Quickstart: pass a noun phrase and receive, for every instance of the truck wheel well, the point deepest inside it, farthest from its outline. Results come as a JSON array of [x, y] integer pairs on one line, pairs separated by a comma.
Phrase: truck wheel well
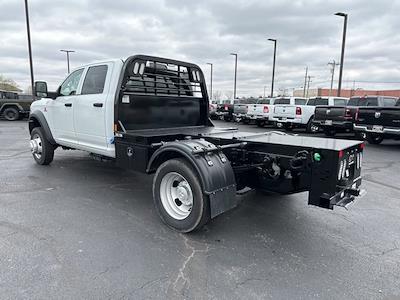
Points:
[[8, 106], [33, 122], [163, 157]]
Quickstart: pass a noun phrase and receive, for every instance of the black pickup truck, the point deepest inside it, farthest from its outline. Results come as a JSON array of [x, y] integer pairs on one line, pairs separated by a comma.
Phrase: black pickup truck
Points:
[[336, 119], [225, 110], [376, 123], [157, 111]]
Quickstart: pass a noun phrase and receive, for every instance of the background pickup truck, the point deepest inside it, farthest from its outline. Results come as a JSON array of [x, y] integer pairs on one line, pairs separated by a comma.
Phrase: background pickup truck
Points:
[[288, 112], [260, 112], [240, 107], [376, 123], [14, 106], [225, 110], [334, 119], [151, 115]]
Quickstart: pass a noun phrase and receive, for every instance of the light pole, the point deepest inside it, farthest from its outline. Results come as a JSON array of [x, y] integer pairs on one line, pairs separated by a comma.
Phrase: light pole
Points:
[[28, 30], [264, 90], [68, 52], [211, 80], [234, 84], [340, 14], [273, 67]]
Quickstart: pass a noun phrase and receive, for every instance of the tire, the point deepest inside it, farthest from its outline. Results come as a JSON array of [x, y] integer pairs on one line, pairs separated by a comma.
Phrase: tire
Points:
[[46, 155], [175, 213], [260, 123], [375, 139], [288, 127], [330, 132], [245, 121], [311, 127], [11, 114]]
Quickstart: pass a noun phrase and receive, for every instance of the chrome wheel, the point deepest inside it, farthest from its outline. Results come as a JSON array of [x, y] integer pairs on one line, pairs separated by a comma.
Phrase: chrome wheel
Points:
[[176, 195], [36, 146]]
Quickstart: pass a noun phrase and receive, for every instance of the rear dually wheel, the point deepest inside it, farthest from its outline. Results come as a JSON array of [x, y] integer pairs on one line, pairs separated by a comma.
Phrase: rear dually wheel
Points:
[[178, 196]]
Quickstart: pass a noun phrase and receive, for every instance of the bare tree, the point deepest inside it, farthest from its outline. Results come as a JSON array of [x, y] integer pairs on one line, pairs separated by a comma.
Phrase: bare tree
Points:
[[217, 95], [229, 95], [8, 84]]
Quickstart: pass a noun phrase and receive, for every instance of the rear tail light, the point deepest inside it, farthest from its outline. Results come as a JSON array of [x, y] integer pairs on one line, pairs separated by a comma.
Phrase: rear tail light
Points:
[[356, 114], [298, 110], [266, 109], [226, 107]]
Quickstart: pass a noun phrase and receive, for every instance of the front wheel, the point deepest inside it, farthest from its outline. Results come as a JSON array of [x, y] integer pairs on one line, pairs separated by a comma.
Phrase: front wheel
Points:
[[260, 123], [42, 150], [374, 138], [178, 196]]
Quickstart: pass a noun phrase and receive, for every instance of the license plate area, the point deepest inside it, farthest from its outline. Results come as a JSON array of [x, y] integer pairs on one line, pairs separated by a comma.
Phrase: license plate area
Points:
[[328, 122], [377, 128]]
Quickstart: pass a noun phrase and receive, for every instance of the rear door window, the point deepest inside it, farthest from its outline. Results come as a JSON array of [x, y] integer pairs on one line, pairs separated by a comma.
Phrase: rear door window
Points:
[[300, 101], [339, 102], [94, 80]]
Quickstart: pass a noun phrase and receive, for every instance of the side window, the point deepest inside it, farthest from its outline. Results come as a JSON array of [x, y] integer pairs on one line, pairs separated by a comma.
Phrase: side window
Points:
[[389, 102], [70, 85], [94, 80]]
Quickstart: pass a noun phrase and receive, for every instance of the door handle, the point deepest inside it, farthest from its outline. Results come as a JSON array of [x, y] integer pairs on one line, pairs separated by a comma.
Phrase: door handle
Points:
[[68, 104], [98, 104]]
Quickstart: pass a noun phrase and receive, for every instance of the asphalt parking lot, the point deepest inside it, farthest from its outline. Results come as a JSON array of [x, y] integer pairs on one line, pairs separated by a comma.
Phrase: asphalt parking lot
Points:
[[80, 228]]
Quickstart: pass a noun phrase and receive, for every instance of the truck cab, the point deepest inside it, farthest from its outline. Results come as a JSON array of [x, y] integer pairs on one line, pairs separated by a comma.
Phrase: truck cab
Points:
[[151, 115]]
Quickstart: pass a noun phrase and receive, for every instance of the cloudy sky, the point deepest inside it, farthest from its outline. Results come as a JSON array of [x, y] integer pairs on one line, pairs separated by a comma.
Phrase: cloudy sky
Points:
[[204, 31]]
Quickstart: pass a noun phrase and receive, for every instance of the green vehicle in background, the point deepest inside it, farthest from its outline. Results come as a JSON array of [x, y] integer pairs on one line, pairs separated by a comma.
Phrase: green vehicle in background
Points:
[[14, 106]]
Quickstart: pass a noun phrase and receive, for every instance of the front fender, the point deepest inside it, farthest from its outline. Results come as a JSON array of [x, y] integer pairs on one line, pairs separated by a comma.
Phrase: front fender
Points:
[[214, 169], [37, 118]]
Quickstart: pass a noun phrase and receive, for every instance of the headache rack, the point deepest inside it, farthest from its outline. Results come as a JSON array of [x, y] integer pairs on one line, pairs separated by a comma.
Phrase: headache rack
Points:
[[146, 77], [160, 93]]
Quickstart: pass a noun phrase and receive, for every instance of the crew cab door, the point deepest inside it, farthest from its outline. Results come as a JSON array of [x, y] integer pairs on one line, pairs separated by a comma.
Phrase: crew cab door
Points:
[[90, 108], [61, 109]]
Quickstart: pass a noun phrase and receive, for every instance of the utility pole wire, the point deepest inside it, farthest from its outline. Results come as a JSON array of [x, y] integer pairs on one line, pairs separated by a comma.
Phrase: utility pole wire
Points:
[[308, 83], [333, 65]]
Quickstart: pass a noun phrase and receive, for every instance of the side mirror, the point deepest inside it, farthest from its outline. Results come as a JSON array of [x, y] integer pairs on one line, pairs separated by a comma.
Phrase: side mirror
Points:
[[41, 89]]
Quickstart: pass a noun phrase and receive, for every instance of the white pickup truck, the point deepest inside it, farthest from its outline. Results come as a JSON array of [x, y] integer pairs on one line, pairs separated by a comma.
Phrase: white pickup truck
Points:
[[260, 112], [302, 114], [151, 115]]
